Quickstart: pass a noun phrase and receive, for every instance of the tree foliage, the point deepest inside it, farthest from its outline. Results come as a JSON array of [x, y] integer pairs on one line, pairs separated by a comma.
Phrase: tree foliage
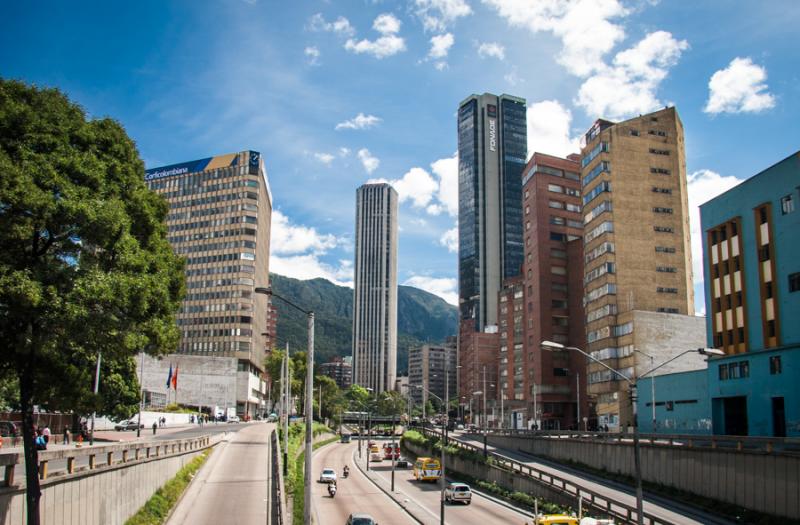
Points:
[[85, 266]]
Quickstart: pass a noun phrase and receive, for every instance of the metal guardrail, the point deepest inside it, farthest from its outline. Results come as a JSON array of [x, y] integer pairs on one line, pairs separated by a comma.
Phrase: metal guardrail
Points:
[[600, 503], [769, 445], [101, 457], [277, 501]]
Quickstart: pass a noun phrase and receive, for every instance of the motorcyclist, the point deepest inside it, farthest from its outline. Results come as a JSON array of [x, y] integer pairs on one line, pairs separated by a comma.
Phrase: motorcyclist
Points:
[[346, 471], [332, 489]]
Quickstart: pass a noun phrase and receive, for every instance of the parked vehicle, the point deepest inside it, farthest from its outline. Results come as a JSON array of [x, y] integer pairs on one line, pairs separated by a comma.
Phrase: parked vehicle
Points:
[[427, 469], [128, 424], [458, 492], [360, 518], [328, 475]]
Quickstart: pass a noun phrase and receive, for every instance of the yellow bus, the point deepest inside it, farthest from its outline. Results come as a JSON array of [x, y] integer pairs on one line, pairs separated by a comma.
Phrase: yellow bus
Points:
[[427, 469]]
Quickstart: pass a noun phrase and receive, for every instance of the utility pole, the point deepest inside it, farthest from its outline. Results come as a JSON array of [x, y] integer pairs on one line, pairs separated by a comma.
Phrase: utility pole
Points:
[[287, 392], [535, 407], [485, 422], [578, 399], [309, 419], [320, 403], [141, 396], [96, 387]]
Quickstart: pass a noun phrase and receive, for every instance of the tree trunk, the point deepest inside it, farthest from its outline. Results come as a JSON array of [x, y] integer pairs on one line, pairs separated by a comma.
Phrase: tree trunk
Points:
[[32, 489]]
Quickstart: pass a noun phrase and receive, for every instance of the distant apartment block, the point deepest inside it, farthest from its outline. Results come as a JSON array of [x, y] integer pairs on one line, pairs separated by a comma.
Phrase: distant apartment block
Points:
[[340, 370], [428, 365], [478, 360]]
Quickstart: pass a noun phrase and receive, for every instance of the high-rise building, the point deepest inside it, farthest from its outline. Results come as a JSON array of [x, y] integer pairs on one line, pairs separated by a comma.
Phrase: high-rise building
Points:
[[427, 367], [375, 294], [340, 370], [552, 292], [636, 245], [477, 372], [492, 148], [219, 220]]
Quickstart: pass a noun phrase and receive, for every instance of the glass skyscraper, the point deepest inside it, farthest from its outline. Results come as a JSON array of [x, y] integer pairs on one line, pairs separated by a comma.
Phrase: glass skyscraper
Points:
[[492, 147]]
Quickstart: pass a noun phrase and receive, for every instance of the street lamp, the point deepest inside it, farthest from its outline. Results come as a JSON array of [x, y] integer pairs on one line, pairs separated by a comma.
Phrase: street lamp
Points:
[[441, 502], [309, 397], [652, 387], [550, 345]]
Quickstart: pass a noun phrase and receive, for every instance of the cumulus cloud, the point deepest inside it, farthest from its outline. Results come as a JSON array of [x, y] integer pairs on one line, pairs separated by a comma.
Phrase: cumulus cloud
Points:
[[739, 88], [309, 266], [549, 129], [440, 45], [312, 55], [388, 44], [416, 186], [341, 26], [325, 158], [437, 15], [492, 49], [369, 162], [360, 121], [703, 185], [287, 238], [344, 152], [445, 288], [449, 240], [629, 85], [447, 195]]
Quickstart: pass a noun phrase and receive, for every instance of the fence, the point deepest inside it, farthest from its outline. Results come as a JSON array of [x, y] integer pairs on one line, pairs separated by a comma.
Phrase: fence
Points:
[[277, 490]]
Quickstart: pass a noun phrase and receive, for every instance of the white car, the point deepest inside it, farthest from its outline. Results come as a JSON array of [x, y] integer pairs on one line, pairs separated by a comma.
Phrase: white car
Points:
[[458, 492], [328, 476], [234, 419]]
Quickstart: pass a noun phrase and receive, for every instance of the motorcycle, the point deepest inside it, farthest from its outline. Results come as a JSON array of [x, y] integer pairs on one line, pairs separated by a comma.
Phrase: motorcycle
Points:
[[332, 490], [346, 472]]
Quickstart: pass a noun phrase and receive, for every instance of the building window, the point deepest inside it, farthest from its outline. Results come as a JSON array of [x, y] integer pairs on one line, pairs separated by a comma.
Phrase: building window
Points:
[[775, 365], [787, 204], [663, 229], [667, 310], [665, 249], [723, 372], [763, 253], [771, 328], [656, 189], [555, 220], [558, 270], [659, 171], [573, 207], [634, 132], [666, 269], [555, 188], [659, 209], [661, 289], [794, 282], [655, 151], [561, 254], [556, 204]]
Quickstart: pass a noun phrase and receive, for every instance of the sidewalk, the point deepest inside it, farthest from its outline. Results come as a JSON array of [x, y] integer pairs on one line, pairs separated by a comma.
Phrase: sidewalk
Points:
[[103, 437]]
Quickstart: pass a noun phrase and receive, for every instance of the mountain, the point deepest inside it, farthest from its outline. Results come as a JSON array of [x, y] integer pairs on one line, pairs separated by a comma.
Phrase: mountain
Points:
[[421, 317]]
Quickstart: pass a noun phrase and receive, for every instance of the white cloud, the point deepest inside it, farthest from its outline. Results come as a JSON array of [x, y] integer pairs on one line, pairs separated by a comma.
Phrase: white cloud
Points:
[[492, 49], [585, 27], [739, 88], [344, 152], [309, 266], [436, 15], [440, 45], [512, 78], [341, 26], [447, 195], [360, 121], [416, 186], [443, 287], [449, 240], [548, 129], [325, 158], [369, 162], [386, 45], [287, 238], [628, 86], [703, 185], [312, 54]]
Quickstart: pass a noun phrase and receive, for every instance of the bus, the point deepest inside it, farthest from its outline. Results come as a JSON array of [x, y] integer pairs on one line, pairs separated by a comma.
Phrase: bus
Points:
[[427, 469]]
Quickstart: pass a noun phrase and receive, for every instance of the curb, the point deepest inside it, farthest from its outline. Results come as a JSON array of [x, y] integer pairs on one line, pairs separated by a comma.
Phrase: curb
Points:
[[388, 493]]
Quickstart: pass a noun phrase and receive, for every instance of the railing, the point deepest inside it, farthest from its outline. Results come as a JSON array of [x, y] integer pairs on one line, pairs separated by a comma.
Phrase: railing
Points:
[[600, 503], [75, 460], [278, 504], [768, 445]]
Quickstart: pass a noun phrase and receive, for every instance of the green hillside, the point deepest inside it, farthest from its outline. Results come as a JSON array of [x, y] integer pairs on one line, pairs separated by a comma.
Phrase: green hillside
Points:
[[421, 317]]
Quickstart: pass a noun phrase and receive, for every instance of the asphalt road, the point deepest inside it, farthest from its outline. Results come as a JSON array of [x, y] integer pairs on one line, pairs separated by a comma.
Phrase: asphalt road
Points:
[[354, 494], [232, 488]]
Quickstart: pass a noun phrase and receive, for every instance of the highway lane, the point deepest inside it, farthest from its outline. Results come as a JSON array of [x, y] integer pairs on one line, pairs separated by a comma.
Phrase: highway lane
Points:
[[482, 511], [354, 494]]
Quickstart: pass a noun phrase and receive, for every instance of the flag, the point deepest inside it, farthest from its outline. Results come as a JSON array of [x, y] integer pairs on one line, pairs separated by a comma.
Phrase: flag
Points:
[[169, 377], [175, 379]]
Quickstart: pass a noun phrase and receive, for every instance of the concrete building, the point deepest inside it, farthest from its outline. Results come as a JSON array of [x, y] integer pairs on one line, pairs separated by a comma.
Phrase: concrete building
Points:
[[553, 293], [492, 148], [340, 370], [219, 220], [636, 244], [426, 369], [375, 294], [477, 375]]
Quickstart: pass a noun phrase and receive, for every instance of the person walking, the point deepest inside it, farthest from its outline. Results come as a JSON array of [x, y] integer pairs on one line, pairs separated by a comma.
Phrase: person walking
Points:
[[155, 426], [46, 433], [66, 435]]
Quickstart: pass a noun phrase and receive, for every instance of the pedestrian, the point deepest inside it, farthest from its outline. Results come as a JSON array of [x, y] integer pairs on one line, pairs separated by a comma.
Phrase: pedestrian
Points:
[[66, 435], [46, 433], [39, 442], [155, 426]]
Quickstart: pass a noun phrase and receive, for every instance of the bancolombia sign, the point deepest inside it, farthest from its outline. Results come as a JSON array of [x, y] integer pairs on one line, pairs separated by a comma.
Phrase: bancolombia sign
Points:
[[492, 135]]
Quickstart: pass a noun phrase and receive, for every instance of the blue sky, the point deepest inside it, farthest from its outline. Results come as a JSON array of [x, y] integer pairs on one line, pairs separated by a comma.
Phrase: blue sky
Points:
[[338, 93]]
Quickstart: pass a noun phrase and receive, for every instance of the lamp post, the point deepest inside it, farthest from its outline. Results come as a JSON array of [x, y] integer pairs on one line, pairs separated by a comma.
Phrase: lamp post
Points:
[[441, 502], [141, 396], [637, 461], [309, 398], [652, 387]]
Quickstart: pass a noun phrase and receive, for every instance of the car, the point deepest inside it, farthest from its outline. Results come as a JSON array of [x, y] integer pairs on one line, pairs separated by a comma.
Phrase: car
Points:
[[234, 419], [8, 429], [128, 424], [360, 518], [459, 427], [402, 463], [345, 438], [557, 519], [458, 492], [328, 475]]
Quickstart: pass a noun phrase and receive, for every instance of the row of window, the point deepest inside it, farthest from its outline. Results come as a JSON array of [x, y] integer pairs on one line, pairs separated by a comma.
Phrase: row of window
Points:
[[606, 247], [662, 289], [607, 375], [213, 246], [602, 167], [601, 147], [601, 291], [561, 221], [596, 211], [215, 234], [571, 175], [555, 188], [220, 294], [736, 370], [211, 199], [218, 319], [604, 186], [560, 205], [218, 332], [600, 229], [178, 216], [664, 229], [249, 219], [194, 179], [655, 151], [246, 268], [215, 307], [612, 352], [599, 313], [665, 249], [195, 190], [214, 346], [234, 281], [658, 209], [221, 257], [657, 189]]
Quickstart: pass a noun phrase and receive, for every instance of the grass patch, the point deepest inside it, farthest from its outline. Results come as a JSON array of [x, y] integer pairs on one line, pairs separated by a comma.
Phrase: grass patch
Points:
[[158, 507]]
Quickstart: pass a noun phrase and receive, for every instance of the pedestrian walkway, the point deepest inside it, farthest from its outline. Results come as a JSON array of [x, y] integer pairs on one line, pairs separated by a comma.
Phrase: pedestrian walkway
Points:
[[233, 486]]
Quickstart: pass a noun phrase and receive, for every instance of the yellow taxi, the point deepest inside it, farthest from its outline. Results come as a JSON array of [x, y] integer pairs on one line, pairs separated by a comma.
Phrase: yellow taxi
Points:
[[556, 519], [427, 469]]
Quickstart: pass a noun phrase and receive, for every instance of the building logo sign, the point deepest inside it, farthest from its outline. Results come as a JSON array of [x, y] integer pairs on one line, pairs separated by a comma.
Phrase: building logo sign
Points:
[[165, 172], [491, 110], [492, 135]]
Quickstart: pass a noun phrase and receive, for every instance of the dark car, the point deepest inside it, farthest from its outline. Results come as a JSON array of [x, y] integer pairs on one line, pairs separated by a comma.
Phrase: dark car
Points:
[[360, 518], [128, 424], [8, 429], [402, 463]]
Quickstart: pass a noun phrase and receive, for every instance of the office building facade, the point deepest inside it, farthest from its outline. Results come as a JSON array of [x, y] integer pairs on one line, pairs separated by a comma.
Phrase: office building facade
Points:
[[375, 283], [340, 369], [492, 148], [219, 220], [427, 367], [636, 245]]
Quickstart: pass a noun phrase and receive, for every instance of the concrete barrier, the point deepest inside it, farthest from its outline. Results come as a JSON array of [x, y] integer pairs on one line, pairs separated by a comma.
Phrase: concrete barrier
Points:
[[105, 492]]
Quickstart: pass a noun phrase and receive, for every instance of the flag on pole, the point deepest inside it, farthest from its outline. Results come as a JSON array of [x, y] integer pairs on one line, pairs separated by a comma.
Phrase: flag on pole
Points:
[[175, 379], [169, 377]]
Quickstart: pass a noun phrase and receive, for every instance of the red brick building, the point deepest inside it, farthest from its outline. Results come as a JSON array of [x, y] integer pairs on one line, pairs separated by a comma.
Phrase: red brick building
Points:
[[478, 367]]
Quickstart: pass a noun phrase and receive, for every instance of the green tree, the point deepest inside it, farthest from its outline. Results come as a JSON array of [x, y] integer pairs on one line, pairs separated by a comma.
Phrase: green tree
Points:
[[358, 395], [85, 266], [391, 403]]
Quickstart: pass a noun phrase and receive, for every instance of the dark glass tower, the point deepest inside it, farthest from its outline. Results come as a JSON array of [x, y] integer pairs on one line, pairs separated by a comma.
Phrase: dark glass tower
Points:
[[492, 147]]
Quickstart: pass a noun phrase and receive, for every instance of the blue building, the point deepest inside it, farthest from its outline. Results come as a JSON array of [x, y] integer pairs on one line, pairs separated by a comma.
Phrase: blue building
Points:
[[751, 264]]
